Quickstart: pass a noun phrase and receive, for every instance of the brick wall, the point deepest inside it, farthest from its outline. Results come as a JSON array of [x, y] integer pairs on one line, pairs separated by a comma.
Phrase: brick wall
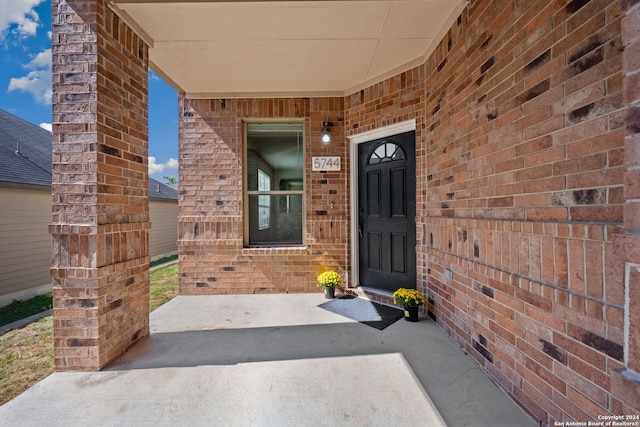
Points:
[[521, 198], [626, 382], [524, 170], [211, 234], [100, 185], [395, 100], [526, 217]]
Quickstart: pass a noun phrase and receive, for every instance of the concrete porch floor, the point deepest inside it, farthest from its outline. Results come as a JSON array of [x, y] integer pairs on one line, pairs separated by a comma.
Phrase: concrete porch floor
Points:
[[273, 360]]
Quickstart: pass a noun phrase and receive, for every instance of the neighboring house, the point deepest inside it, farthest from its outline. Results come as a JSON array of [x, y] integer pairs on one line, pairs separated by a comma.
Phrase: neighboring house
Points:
[[489, 156], [163, 215], [25, 211]]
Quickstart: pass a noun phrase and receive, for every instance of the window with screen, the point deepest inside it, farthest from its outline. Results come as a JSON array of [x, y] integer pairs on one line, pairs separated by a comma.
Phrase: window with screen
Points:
[[274, 184]]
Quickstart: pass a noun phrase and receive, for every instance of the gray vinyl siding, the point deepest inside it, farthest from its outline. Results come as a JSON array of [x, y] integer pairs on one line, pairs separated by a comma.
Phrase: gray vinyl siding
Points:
[[163, 236], [25, 243]]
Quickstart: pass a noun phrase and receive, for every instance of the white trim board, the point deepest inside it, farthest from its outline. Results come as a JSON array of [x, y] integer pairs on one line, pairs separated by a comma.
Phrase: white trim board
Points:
[[354, 140], [383, 132]]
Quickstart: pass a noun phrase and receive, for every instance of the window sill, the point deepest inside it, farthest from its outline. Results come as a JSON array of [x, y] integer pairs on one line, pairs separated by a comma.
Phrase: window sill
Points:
[[280, 250]]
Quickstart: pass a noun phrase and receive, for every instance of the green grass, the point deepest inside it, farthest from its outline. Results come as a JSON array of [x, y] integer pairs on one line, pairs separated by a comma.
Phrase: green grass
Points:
[[26, 354], [26, 357], [18, 310], [163, 286], [163, 260]]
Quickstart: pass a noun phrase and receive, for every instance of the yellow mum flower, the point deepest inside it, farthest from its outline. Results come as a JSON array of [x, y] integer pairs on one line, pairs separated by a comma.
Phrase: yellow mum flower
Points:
[[330, 279], [409, 297]]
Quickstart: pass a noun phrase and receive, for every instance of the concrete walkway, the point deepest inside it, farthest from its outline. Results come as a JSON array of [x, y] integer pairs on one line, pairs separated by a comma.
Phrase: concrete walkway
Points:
[[273, 360]]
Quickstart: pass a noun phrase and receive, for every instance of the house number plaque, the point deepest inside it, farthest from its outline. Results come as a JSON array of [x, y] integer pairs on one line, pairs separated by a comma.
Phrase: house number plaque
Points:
[[325, 163]]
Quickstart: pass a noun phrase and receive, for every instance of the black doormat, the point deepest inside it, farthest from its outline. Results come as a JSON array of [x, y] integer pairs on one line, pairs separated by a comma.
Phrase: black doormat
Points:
[[364, 311]]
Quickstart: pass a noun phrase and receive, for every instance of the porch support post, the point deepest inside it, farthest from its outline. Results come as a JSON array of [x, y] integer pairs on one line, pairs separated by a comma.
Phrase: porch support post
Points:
[[625, 383], [100, 262]]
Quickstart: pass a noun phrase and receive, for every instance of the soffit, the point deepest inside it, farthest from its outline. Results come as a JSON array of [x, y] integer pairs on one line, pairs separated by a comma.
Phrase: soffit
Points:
[[286, 48]]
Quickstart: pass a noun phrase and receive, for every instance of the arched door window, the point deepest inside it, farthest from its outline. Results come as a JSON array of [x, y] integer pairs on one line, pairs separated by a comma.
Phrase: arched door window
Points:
[[386, 152]]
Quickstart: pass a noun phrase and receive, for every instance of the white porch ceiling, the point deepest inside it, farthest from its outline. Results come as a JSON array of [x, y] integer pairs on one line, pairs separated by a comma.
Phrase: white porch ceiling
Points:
[[230, 49]]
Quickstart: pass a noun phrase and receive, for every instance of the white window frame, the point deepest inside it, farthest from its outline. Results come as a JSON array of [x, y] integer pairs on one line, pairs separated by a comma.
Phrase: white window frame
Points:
[[302, 192], [264, 202]]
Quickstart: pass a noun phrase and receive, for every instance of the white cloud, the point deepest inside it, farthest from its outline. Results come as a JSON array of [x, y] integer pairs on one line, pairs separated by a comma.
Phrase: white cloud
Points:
[[38, 81], [41, 60], [46, 126], [19, 18], [160, 167]]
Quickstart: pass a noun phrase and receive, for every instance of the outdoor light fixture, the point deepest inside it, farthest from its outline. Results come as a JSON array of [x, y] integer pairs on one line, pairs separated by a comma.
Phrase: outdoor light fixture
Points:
[[326, 134]]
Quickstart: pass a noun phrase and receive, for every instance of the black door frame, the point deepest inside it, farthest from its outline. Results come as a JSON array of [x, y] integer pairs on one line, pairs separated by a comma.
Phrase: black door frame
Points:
[[354, 141]]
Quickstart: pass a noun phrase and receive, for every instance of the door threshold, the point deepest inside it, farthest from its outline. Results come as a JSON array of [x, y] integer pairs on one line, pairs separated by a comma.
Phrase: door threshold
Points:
[[374, 291], [376, 295]]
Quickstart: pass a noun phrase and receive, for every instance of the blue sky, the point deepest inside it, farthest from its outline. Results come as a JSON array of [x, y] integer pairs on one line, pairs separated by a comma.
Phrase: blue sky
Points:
[[25, 81]]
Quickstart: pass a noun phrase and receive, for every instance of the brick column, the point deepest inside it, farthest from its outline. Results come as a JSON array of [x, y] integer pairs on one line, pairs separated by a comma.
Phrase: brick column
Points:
[[99, 185], [626, 382]]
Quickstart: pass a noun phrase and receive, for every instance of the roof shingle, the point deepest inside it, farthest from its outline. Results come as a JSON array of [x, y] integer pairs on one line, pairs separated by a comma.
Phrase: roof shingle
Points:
[[25, 157], [25, 152]]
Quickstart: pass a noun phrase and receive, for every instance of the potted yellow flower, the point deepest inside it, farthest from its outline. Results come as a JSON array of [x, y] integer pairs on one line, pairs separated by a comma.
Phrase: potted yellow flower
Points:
[[411, 299], [329, 280]]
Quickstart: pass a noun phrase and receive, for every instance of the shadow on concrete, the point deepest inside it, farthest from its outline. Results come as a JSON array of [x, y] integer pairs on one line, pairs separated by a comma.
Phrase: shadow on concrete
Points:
[[273, 360], [234, 346]]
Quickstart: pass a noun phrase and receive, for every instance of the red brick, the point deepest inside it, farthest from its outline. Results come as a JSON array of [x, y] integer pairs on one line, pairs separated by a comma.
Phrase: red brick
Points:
[[580, 98], [580, 164], [632, 151], [492, 147], [571, 410], [501, 201], [596, 144], [594, 269], [631, 88], [632, 276], [579, 351], [597, 72], [612, 214], [613, 176], [628, 390], [545, 318], [581, 131], [573, 316], [632, 184], [577, 266], [632, 215], [544, 128], [546, 156], [95, 340], [545, 185], [536, 404], [537, 200], [536, 115], [546, 375], [557, 214], [302, 265], [509, 165], [533, 349], [631, 61]]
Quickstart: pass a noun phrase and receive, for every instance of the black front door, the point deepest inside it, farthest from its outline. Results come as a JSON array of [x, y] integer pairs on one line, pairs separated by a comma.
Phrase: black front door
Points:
[[386, 211]]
